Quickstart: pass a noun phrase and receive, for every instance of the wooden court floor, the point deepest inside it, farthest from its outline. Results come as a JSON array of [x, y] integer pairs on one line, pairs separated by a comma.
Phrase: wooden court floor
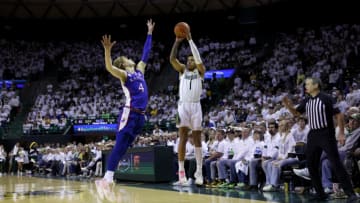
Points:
[[31, 189], [21, 189]]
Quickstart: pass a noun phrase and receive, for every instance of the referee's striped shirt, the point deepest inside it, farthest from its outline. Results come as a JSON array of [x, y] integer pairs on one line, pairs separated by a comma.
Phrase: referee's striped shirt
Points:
[[319, 110]]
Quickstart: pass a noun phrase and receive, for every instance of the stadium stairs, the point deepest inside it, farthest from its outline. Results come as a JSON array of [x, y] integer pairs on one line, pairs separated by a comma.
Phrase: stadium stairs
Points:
[[27, 97]]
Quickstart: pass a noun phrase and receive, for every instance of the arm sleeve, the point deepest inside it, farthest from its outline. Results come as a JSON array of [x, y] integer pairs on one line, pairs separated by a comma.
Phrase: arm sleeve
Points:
[[147, 48], [195, 52]]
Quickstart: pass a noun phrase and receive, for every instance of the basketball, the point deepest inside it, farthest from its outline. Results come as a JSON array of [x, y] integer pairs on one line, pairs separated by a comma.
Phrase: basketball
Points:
[[181, 29]]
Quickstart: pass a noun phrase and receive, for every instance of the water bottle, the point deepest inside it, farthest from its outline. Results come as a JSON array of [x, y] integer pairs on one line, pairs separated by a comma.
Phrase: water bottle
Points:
[[231, 153], [286, 187]]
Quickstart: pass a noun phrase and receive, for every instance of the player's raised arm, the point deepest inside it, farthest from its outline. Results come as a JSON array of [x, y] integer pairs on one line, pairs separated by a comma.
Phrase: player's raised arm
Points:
[[116, 72], [147, 47], [179, 67], [195, 52]]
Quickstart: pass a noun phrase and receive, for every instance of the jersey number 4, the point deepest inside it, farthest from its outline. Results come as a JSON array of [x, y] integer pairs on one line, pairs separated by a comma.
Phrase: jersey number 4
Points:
[[141, 88]]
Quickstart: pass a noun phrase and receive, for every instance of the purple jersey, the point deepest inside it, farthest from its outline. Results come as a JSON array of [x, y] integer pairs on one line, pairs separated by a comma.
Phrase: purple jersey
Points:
[[136, 91]]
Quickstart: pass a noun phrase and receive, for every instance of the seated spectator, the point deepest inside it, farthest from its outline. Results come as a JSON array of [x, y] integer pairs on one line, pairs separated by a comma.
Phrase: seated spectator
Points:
[[286, 146], [217, 152], [157, 131], [3, 156]]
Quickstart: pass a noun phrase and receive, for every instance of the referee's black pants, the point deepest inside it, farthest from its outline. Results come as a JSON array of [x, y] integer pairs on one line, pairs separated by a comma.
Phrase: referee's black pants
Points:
[[319, 140]]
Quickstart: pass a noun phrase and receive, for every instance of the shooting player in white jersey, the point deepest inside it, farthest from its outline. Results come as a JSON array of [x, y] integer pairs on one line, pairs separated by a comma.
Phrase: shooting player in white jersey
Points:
[[191, 77]]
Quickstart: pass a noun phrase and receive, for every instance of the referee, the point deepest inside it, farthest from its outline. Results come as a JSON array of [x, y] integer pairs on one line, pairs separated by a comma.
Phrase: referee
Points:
[[320, 109]]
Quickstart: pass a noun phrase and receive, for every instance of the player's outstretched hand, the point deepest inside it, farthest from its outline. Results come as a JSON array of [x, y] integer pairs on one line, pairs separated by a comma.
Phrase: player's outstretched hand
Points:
[[106, 42], [150, 24]]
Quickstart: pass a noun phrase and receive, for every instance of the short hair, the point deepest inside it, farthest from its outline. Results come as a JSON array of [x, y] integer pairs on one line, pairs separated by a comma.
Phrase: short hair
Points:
[[119, 61], [221, 131], [276, 125], [315, 81], [302, 118]]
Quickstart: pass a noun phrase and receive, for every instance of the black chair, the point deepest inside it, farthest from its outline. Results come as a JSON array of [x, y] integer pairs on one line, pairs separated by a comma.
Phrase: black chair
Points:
[[287, 174]]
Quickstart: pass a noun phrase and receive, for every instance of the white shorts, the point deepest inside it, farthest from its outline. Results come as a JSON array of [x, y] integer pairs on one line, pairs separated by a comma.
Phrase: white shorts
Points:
[[190, 115]]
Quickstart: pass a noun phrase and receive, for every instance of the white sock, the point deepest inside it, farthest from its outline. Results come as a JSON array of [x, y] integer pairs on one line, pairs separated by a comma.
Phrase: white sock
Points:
[[109, 176], [199, 159], [181, 166]]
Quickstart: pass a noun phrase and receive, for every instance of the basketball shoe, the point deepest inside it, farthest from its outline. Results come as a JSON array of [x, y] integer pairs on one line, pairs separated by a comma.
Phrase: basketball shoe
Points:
[[105, 189], [182, 180], [199, 180]]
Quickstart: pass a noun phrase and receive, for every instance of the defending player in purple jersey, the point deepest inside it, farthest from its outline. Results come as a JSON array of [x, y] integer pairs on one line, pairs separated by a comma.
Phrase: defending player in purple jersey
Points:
[[132, 115]]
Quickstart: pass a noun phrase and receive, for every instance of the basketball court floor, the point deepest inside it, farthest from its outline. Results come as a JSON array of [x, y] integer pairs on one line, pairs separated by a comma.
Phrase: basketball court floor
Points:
[[34, 189]]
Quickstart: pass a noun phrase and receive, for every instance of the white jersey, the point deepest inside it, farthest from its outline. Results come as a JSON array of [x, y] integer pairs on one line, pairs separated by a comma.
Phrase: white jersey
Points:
[[190, 86]]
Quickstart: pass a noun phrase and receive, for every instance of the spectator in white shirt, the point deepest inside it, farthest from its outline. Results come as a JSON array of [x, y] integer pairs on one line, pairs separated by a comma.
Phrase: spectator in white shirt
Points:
[[2, 159], [229, 118], [215, 155], [157, 131], [286, 146]]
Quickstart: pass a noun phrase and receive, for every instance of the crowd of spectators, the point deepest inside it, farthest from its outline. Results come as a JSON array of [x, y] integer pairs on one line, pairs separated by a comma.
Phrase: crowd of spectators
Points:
[[324, 55], [71, 160], [222, 54], [238, 147], [9, 104], [89, 55], [322, 52]]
